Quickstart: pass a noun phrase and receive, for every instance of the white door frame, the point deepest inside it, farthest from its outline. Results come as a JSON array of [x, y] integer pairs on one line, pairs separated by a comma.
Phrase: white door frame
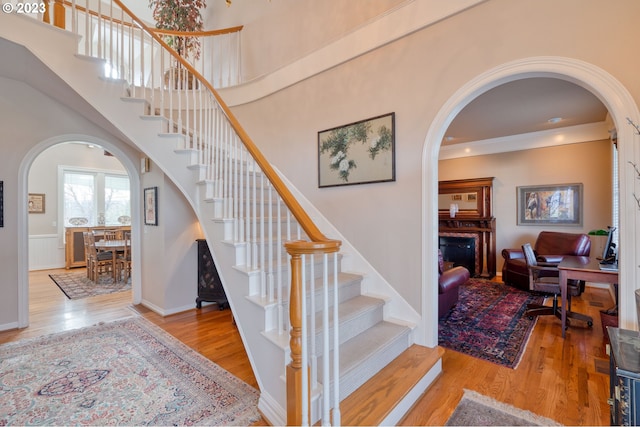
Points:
[[620, 105], [23, 221]]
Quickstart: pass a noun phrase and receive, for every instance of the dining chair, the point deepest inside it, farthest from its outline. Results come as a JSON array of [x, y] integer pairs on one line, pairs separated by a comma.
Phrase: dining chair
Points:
[[544, 278], [124, 258], [88, 254], [100, 261], [110, 235]]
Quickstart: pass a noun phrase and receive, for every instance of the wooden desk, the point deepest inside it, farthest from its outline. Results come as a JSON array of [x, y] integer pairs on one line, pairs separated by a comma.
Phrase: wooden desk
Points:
[[114, 246], [581, 268]]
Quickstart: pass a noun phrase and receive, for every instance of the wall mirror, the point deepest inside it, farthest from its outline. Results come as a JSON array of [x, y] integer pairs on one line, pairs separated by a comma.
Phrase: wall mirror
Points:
[[471, 197]]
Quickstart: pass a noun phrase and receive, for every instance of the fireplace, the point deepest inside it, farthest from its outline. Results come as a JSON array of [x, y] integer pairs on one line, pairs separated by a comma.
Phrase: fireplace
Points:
[[461, 250]]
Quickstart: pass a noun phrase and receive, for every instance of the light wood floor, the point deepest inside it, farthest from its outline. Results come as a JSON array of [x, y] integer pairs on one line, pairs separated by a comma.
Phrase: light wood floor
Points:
[[563, 379]]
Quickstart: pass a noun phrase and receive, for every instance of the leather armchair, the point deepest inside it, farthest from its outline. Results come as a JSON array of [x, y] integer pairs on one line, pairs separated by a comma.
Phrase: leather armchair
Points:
[[449, 282], [550, 247]]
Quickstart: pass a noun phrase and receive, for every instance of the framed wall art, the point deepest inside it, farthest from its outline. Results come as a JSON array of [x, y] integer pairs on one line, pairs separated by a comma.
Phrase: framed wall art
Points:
[[151, 206], [357, 153], [559, 204], [1, 203], [36, 203]]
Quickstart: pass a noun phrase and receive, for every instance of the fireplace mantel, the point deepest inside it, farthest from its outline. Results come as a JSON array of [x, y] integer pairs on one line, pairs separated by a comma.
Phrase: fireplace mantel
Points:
[[474, 216]]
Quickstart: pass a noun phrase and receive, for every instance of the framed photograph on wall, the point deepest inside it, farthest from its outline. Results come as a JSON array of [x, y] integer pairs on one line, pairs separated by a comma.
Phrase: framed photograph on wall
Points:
[[357, 153], [151, 206], [559, 204], [36, 203], [1, 203]]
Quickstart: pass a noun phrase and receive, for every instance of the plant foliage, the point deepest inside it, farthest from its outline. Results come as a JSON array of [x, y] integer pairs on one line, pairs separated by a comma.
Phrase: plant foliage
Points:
[[180, 15]]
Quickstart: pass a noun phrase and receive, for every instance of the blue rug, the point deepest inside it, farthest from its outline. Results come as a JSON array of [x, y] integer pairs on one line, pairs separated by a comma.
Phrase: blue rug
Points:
[[488, 322]]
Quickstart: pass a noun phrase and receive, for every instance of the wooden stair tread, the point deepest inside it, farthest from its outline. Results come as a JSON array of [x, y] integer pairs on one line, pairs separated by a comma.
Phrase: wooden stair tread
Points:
[[374, 400]]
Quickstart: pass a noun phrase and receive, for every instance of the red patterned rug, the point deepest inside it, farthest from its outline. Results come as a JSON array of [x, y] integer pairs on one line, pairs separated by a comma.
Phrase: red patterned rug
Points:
[[128, 372], [488, 322]]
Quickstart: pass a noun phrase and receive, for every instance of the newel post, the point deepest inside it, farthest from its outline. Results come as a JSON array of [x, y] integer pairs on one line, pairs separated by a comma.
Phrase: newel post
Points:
[[294, 369], [297, 408]]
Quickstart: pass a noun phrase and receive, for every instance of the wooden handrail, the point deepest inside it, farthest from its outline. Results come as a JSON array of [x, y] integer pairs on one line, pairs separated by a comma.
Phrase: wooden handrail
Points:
[[290, 201], [157, 30], [198, 33]]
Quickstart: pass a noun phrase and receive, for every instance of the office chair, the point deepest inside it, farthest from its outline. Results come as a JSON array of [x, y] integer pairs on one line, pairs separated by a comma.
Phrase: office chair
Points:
[[544, 278]]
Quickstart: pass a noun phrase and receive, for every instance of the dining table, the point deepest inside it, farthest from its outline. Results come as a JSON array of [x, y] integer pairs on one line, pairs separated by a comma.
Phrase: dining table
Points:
[[114, 246]]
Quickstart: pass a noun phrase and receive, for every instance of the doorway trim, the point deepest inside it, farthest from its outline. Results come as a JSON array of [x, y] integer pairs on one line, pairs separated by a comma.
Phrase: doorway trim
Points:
[[23, 222], [620, 105]]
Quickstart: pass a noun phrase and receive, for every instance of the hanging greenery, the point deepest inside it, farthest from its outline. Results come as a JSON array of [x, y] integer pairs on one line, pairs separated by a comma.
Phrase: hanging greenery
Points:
[[180, 15]]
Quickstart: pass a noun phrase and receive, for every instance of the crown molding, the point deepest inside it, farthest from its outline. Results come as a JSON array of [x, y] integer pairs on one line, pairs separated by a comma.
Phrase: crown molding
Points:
[[528, 141]]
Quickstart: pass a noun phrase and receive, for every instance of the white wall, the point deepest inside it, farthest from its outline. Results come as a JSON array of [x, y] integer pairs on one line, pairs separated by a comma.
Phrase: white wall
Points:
[[587, 163], [295, 27], [169, 250], [414, 77]]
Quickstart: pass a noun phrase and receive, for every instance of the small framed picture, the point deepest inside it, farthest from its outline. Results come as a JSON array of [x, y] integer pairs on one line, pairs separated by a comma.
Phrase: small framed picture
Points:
[[36, 203], [1, 203], [151, 206]]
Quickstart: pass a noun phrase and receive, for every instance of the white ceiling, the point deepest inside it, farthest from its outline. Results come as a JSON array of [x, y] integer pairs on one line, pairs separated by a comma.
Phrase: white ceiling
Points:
[[524, 106]]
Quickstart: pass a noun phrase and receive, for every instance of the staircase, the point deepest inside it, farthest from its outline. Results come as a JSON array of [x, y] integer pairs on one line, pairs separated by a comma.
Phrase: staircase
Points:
[[251, 230]]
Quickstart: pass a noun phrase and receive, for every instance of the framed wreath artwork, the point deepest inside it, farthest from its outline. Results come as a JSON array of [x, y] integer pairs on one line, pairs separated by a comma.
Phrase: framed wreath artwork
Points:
[[357, 153]]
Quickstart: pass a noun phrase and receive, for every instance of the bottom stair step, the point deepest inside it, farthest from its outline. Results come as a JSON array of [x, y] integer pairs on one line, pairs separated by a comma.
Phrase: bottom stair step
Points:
[[364, 355], [374, 401]]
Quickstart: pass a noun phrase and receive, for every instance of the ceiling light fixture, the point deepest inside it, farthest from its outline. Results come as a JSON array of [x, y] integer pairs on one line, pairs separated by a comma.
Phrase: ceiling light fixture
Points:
[[554, 120]]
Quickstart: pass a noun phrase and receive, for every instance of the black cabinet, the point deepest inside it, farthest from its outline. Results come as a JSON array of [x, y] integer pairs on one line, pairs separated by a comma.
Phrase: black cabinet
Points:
[[209, 285], [625, 376]]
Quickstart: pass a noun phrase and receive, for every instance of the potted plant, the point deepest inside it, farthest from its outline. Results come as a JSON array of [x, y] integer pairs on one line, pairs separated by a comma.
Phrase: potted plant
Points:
[[179, 15]]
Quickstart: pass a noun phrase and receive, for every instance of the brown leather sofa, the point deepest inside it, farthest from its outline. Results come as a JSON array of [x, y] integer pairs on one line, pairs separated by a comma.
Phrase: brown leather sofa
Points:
[[550, 246], [449, 282]]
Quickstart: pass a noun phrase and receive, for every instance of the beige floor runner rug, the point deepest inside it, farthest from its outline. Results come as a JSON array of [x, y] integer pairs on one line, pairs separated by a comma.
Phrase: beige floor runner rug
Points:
[[476, 409]]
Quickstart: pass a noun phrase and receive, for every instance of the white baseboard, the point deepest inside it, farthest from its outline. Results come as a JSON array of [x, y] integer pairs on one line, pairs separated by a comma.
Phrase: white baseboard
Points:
[[9, 326]]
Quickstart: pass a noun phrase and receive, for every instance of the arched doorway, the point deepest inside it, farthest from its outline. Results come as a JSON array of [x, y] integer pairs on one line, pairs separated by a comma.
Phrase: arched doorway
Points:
[[25, 166], [620, 105]]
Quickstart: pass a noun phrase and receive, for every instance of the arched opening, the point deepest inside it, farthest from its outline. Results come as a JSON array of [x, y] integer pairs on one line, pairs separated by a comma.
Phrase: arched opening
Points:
[[617, 101], [23, 215]]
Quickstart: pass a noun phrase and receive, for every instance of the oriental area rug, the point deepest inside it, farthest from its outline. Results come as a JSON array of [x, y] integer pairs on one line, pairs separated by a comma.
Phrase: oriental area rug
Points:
[[77, 285], [475, 409], [488, 322], [128, 372]]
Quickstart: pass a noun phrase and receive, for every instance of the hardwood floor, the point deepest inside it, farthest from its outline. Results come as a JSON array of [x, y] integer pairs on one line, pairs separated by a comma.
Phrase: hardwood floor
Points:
[[566, 380]]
